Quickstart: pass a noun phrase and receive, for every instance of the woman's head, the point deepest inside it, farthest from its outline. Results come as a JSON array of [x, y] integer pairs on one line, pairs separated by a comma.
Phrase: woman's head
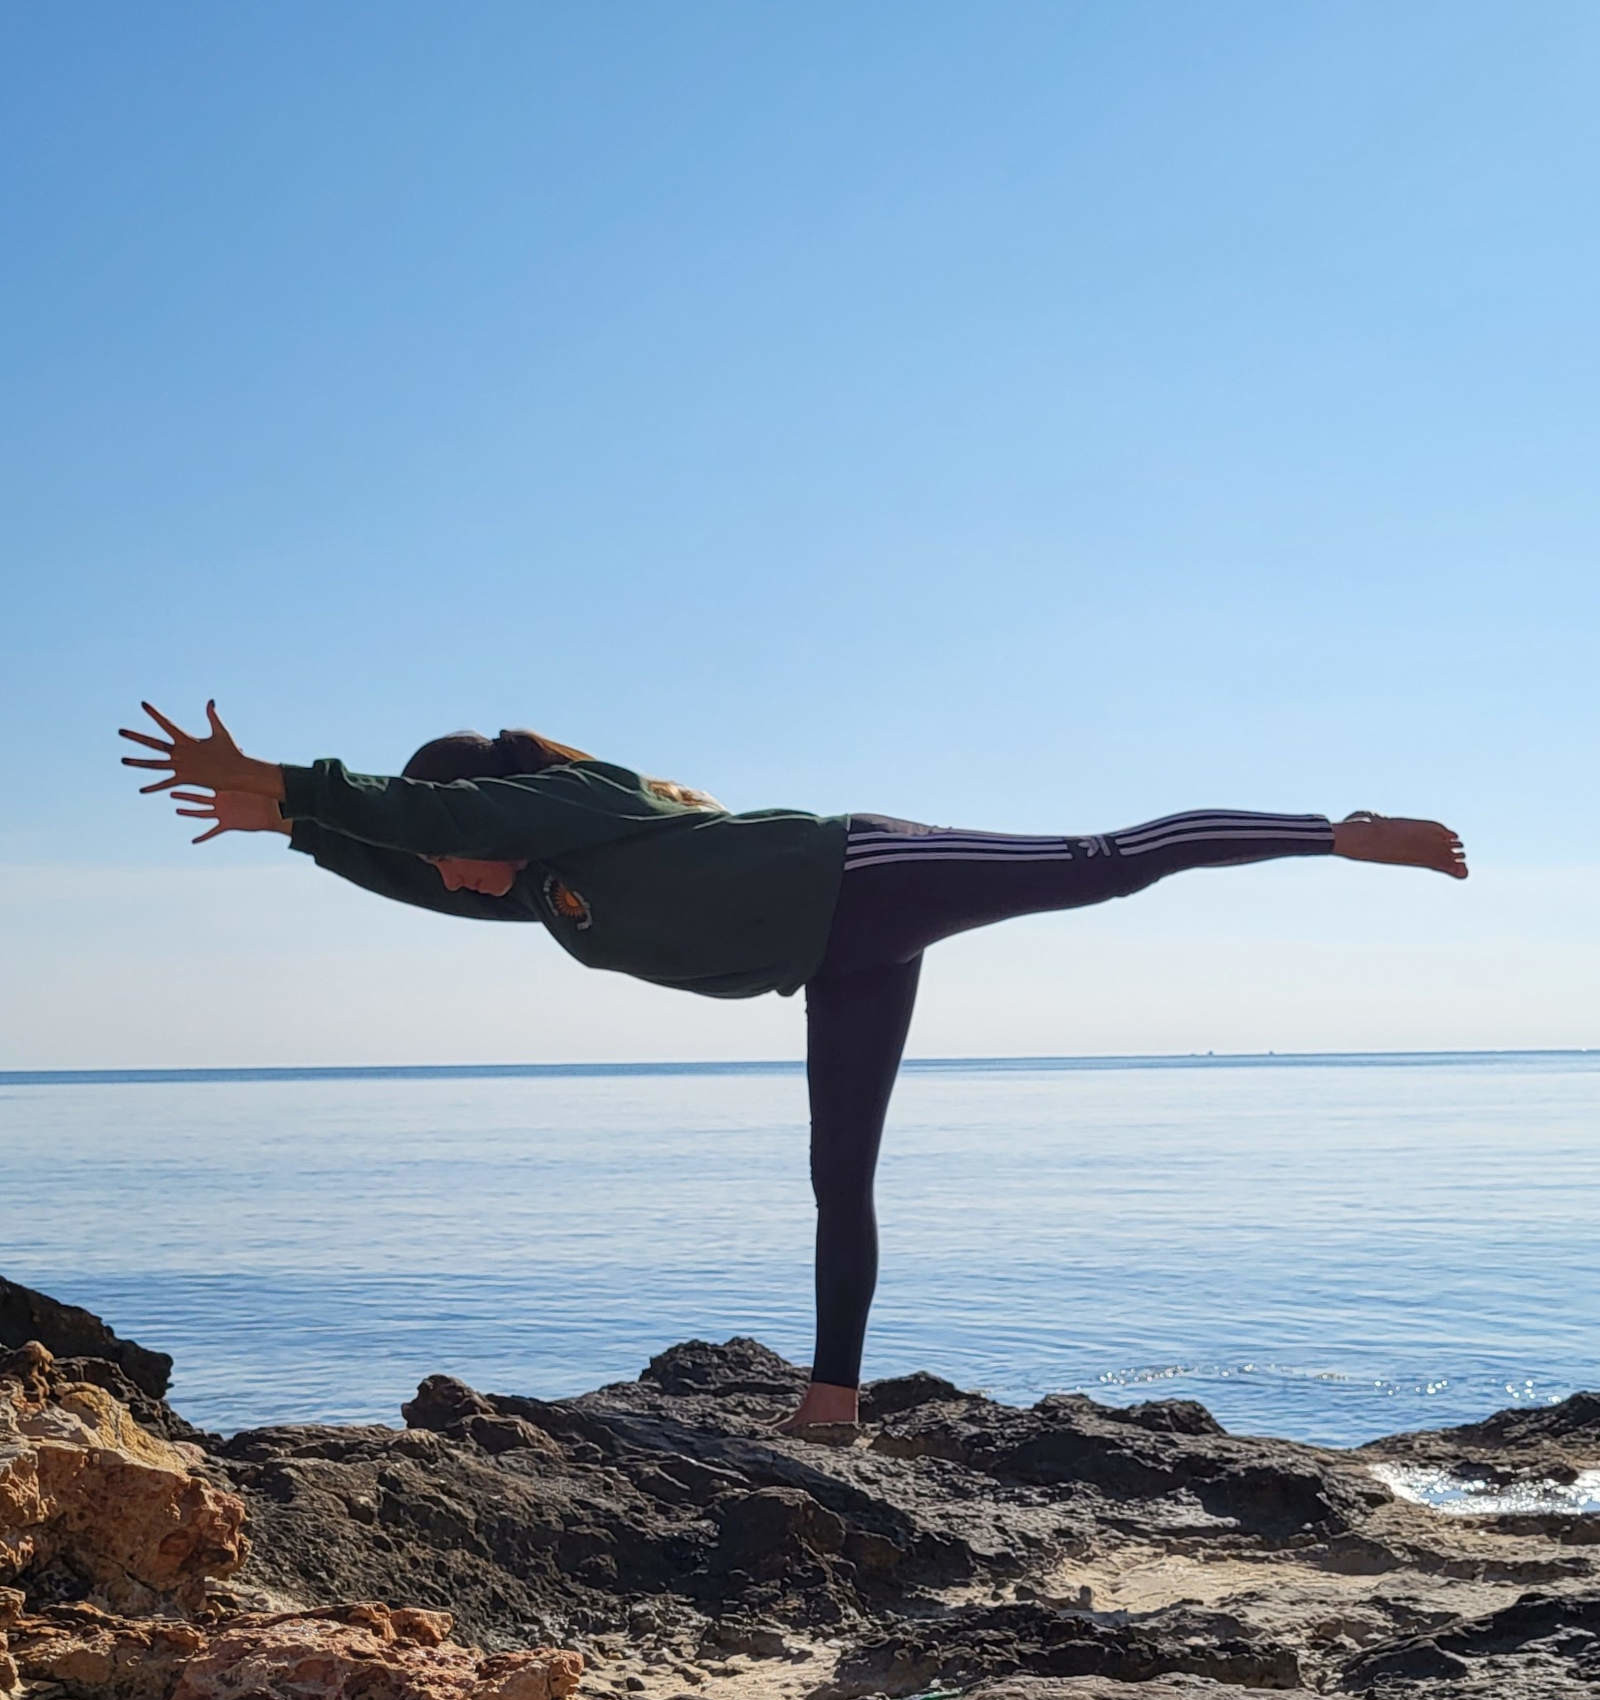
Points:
[[470, 755]]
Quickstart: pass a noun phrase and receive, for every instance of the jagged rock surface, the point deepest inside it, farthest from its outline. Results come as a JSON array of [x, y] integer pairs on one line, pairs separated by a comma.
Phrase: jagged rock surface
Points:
[[65, 1331], [358, 1652], [1066, 1549], [89, 1499], [118, 1546], [1064, 1552], [1106, 1688]]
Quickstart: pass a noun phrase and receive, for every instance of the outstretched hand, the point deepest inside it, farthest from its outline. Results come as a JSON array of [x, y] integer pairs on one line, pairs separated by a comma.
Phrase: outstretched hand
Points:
[[232, 811], [215, 762]]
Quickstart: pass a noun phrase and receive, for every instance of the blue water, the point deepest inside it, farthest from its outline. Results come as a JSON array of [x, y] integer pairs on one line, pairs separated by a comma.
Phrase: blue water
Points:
[[1328, 1248]]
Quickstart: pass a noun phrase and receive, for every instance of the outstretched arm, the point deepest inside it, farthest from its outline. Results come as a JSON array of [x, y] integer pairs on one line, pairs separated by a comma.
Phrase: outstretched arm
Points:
[[388, 873], [534, 816], [245, 798], [394, 873]]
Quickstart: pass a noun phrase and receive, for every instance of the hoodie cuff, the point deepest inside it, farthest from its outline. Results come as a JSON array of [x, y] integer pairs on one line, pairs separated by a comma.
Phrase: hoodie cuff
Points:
[[299, 793], [304, 836]]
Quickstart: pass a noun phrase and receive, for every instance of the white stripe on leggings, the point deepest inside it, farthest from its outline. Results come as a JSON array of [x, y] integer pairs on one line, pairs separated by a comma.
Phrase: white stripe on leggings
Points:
[[1279, 834], [873, 844], [887, 855], [950, 834], [870, 846], [1219, 818]]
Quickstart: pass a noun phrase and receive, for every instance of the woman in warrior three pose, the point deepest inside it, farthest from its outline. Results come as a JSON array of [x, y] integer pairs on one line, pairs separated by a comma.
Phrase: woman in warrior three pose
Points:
[[660, 881]]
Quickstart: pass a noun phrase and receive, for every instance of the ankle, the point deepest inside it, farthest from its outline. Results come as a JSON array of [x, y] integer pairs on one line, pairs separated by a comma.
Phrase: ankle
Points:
[[1354, 836], [829, 1402]]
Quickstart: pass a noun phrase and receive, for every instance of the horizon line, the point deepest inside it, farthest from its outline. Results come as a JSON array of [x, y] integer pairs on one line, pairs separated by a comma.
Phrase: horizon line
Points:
[[354, 1071]]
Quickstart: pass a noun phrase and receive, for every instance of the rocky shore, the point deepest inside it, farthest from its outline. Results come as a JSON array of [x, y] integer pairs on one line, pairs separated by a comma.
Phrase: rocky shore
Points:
[[653, 1537]]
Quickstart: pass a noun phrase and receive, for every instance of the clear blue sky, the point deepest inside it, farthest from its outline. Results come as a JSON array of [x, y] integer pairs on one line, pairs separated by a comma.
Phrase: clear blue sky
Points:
[[1031, 417]]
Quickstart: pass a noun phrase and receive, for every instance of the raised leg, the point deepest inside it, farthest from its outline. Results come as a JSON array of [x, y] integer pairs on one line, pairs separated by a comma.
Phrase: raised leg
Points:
[[907, 885]]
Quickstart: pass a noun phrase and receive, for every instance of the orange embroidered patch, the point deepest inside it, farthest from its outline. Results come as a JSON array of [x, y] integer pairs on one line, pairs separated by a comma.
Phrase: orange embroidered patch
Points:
[[566, 903]]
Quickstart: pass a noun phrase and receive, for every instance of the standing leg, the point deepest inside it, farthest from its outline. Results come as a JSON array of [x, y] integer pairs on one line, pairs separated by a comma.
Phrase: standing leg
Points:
[[856, 1026]]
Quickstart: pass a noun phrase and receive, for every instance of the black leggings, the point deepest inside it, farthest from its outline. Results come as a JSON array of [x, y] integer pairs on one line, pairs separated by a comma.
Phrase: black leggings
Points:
[[906, 886]]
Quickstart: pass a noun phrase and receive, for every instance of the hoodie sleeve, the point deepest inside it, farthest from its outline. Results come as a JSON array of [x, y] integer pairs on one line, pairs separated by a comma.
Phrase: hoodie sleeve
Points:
[[532, 816], [393, 873]]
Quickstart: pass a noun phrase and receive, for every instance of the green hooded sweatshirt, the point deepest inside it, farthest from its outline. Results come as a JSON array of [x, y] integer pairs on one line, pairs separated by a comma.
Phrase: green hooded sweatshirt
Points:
[[727, 905]]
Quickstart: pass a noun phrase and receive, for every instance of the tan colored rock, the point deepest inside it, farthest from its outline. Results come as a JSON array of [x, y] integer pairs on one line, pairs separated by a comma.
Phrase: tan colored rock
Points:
[[10, 1613], [87, 1649], [335, 1653], [83, 1483], [80, 1481]]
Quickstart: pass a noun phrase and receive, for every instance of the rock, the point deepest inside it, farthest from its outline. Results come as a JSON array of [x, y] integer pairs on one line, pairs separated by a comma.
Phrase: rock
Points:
[[11, 1604], [1170, 1416], [121, 1547], [66, 1331], [1064, 1551], [447, 1406], [979, 1642], [768, 1531], [730, 1635], [1275, 1491], [95, 1502], [1217, 1563], [1551, 1443], [149, 1412], [897, 1393], [1558, 1633], [341, 1653], [1104, 1688], [740, 1366]]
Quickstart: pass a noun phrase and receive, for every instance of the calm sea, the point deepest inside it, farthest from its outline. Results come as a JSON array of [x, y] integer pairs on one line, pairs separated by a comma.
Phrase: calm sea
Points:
[[1328, 1248]]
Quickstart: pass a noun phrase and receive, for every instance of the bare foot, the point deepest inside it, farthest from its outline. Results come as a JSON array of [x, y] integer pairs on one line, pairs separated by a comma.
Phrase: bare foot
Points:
[[1366, 837], [823, 1404]]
